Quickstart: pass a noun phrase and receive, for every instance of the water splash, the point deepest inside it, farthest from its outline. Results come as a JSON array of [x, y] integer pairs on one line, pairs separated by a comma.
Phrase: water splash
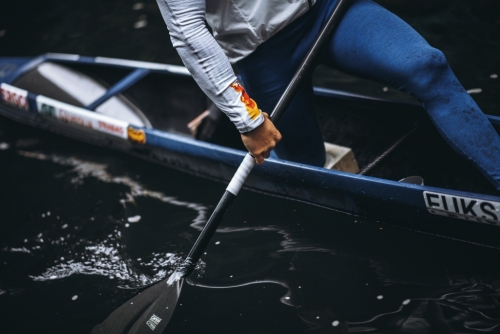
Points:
[[18, 250], [104, 258]]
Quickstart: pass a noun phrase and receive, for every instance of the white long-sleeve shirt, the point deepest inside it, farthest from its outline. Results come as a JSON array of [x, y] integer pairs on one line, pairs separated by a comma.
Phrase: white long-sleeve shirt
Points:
[[239, 26]]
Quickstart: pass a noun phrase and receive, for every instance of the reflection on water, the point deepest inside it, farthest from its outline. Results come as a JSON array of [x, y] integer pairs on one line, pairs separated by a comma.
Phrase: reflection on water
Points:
[[470, 308], [82, 228], [104, 257], [274, 266]]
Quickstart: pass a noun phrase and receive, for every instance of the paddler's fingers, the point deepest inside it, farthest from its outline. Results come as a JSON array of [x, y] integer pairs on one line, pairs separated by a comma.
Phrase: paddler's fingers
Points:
[[261, 140], [259, 159], [266, 154]]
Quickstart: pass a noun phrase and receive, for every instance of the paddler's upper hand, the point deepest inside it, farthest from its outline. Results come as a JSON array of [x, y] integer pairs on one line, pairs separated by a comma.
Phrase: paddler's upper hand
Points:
[[261, 140]]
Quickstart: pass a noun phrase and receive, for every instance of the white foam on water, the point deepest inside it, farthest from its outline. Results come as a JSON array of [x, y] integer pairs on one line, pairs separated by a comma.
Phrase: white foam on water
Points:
[[475, 91], [175, 277], [134, 219], [19, 250], [138, 6], [141, 23], [105, 260]]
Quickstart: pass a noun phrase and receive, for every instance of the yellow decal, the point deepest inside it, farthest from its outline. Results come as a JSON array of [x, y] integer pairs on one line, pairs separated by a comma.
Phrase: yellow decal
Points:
[[251, 106], [136, 135]]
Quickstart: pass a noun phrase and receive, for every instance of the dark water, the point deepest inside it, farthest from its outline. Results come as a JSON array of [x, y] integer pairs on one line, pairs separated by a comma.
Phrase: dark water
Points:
[[69, 255]]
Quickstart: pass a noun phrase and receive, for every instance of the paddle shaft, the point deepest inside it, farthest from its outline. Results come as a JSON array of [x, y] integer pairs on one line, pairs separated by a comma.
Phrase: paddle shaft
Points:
[[248, 162]]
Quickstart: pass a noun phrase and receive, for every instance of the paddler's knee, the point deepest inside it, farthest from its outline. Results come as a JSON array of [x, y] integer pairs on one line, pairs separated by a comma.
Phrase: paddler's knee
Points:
[[426, 69]]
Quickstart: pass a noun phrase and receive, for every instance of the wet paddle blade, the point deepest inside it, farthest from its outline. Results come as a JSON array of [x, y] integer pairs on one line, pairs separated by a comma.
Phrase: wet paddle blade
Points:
[[147, 312]]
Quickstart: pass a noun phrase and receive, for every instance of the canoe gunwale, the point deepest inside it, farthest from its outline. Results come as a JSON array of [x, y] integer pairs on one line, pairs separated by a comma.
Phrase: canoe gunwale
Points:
[[378, 199]]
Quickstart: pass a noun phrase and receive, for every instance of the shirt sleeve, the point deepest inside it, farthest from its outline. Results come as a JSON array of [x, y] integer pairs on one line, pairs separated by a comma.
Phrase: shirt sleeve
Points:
[[207, 63]]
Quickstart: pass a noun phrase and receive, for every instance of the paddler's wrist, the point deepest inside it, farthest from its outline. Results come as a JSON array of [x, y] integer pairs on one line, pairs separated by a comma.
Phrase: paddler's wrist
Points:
[[248, 128]]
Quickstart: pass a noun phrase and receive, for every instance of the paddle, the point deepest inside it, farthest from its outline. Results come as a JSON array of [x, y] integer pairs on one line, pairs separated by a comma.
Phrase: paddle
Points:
[[152, 309]]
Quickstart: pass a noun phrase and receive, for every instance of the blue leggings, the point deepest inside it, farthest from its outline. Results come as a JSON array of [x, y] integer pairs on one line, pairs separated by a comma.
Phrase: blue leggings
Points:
[[375, 44]]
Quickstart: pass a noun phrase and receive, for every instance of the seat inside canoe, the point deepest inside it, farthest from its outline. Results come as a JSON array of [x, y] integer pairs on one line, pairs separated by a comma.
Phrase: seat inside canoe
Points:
[[69, 86]]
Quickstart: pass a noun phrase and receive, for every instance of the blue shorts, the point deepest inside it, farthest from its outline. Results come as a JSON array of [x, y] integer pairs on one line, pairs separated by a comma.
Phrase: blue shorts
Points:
[[371, 43]]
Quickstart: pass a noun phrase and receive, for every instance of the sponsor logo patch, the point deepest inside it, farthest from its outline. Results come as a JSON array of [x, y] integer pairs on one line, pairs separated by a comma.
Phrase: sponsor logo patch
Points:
[[463, 207], [14, 96], [153, 322], [136, 135], [81, 117], [251, 106]]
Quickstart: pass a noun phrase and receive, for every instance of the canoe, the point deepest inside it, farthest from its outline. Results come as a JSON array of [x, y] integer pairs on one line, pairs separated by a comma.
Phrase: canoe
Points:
[[143, 108]]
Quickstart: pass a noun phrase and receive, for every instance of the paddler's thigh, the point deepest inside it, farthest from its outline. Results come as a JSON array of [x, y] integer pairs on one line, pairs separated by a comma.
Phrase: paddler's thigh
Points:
[[266, 73], [373, 43]]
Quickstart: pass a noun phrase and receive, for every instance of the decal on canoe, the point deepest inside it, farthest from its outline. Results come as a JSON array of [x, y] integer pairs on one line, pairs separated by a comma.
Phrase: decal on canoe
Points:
[[467, 208], [136, 135], [14, 96], [153, 322], [82, 117]]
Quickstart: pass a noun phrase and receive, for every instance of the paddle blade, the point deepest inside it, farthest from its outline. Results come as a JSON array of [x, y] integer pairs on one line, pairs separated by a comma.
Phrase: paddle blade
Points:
[[147, 312]]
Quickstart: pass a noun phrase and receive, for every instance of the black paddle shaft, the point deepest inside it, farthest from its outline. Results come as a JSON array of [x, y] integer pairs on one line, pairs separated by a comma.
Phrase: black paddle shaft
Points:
[[218, 214]]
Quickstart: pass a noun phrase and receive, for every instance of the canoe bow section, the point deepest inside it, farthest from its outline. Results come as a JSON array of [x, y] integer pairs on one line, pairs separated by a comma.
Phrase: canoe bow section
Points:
[[404, 205]]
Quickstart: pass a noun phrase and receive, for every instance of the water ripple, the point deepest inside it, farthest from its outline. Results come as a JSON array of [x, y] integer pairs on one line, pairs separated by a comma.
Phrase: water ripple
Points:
[[104, 258]]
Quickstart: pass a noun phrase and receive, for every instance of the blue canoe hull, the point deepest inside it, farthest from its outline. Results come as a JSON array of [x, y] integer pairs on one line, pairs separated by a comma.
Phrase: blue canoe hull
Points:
[[400, 204]]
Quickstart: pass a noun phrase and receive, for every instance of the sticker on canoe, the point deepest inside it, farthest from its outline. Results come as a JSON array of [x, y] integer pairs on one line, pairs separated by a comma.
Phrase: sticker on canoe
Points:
[[463, 207], [14, 96], [136, 135], [82, 117]]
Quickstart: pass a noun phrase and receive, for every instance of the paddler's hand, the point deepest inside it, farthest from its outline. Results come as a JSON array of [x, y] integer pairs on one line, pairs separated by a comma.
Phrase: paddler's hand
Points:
[[261, 140]]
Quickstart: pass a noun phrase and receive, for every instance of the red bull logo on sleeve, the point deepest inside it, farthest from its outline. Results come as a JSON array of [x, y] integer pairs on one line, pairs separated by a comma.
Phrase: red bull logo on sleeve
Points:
[[251, 106]]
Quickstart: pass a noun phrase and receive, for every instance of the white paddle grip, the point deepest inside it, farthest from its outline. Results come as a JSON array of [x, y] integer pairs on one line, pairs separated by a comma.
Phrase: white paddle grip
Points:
[[241, 174]]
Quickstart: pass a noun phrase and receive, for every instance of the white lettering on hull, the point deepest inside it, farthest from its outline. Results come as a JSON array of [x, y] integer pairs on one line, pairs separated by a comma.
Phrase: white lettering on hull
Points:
[[467, 208]]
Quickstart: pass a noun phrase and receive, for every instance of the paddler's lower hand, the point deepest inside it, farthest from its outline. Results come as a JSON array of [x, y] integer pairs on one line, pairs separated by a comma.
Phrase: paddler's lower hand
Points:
[[261, 140]]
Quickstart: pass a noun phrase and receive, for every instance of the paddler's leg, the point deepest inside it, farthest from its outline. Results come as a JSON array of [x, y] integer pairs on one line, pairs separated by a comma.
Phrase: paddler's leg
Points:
[[265, 75], [373, 43]]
